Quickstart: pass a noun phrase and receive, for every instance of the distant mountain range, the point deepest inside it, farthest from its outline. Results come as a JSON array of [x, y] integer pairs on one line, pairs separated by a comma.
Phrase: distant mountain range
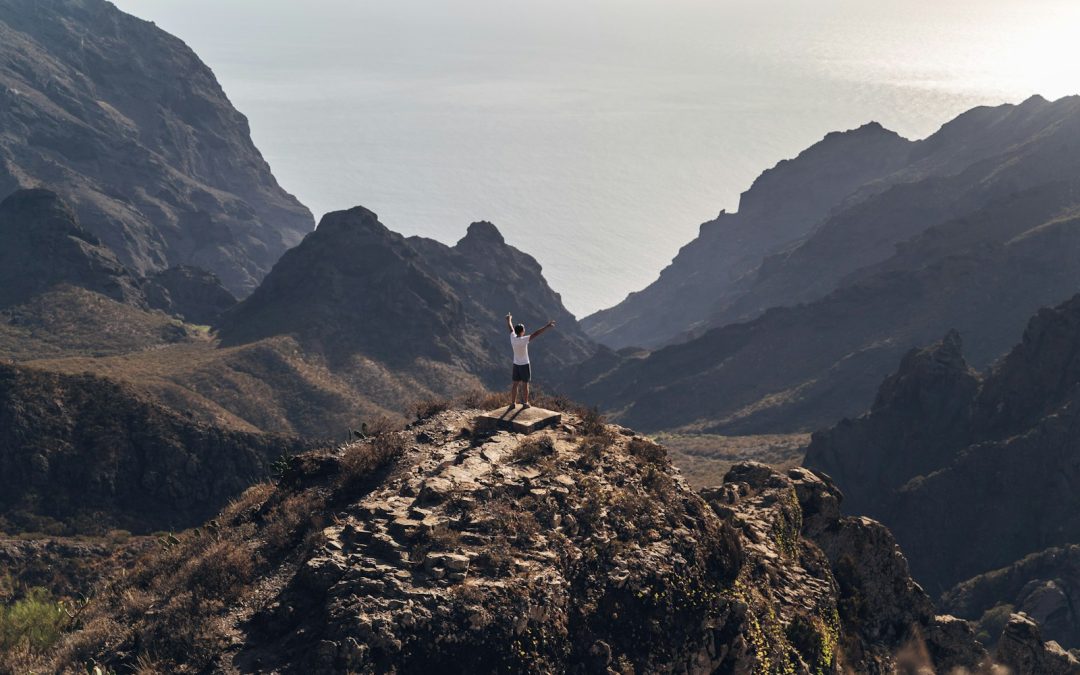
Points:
[[975, 232], [127, 124]]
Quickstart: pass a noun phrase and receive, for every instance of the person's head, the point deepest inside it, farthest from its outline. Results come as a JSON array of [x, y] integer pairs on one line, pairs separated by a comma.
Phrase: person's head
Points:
[[519, 329]]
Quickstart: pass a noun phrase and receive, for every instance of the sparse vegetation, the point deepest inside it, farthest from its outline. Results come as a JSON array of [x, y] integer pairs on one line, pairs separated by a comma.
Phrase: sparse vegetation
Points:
[[533, 448], [32, 623]]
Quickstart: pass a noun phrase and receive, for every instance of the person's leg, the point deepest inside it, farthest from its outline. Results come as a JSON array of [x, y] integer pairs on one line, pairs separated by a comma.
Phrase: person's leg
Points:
[[513, 393], [525, 393]]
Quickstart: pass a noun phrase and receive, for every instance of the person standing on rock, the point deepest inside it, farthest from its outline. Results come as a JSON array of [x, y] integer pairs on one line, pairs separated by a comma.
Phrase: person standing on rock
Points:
[[519, 341]]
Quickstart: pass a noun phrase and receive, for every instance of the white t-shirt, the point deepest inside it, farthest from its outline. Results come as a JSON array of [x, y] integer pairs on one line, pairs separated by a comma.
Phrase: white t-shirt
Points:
[[521, 349]]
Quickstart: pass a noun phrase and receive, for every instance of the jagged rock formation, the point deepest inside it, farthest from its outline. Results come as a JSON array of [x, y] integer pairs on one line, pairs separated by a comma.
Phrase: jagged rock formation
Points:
[[997, 453], [128, 125], [85, 454], [1044, 586], [575, 549], [193, 294], [353, 287], [783, 205], [42, 245]]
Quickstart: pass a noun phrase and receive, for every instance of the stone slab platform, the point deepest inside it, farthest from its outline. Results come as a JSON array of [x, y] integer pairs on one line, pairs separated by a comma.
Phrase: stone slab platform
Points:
[[517, 419]]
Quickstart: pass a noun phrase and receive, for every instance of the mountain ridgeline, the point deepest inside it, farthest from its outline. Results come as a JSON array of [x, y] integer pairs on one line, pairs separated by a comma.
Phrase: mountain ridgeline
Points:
[[127, 124], [976, 231]]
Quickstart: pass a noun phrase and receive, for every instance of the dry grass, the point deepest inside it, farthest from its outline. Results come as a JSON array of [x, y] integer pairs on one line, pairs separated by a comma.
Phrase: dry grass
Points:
[[646, 450], [532, 449], [179, 603], [704, 459]]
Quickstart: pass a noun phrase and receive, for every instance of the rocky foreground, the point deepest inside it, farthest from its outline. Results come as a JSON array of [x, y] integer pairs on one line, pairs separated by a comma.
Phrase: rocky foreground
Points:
[[573, 549]]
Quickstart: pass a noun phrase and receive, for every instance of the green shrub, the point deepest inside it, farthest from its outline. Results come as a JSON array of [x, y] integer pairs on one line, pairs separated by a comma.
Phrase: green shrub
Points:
[[36, 621]]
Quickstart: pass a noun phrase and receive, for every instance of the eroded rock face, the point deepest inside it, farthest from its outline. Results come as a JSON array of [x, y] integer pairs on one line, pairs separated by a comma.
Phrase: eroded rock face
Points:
[[840, 587], [127, 124]]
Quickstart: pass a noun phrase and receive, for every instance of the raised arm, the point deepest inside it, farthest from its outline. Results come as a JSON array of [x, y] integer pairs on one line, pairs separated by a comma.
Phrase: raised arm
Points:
[[510, 322], [537, 333]]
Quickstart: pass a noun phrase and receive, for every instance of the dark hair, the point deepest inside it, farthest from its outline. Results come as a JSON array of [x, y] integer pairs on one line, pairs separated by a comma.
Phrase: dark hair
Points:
[[519, 329]]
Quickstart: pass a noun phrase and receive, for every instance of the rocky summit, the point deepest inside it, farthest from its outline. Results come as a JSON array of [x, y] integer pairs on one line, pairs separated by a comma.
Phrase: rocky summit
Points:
[[571, 549], [127, 124]]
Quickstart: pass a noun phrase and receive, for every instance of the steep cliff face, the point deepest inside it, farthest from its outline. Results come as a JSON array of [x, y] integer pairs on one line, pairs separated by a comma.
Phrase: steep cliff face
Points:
[[84, 454], [355, 288], [998, 455], [128, 125], [574, 549]]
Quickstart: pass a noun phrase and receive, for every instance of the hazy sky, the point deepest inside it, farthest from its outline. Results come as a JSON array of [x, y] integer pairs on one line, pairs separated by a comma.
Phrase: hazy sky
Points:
[[596, 134]]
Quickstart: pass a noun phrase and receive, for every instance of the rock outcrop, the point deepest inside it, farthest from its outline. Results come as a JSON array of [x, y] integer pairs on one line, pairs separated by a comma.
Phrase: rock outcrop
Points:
[[127, 124], [42, 245], [576, 549], [81, 454], [1044, 586], [997, 453], [1022, 649], [355, 288]]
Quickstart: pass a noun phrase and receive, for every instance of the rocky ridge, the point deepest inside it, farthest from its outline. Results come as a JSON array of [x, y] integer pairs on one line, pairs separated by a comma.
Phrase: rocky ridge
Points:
[[576, 549]]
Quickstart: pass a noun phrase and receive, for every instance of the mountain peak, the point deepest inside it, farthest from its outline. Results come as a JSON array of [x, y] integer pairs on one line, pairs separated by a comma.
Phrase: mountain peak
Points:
[[482, 231]]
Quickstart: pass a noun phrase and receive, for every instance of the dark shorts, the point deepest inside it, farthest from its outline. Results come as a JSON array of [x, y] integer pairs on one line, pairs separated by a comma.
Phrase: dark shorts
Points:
[[522, 373]]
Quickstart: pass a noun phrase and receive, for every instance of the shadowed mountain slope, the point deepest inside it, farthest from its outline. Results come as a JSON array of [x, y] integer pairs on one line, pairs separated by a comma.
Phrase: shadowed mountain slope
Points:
[[781, 207], [90, 454], [799, 368], [132, 129], [42, 245], [997, 453]]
